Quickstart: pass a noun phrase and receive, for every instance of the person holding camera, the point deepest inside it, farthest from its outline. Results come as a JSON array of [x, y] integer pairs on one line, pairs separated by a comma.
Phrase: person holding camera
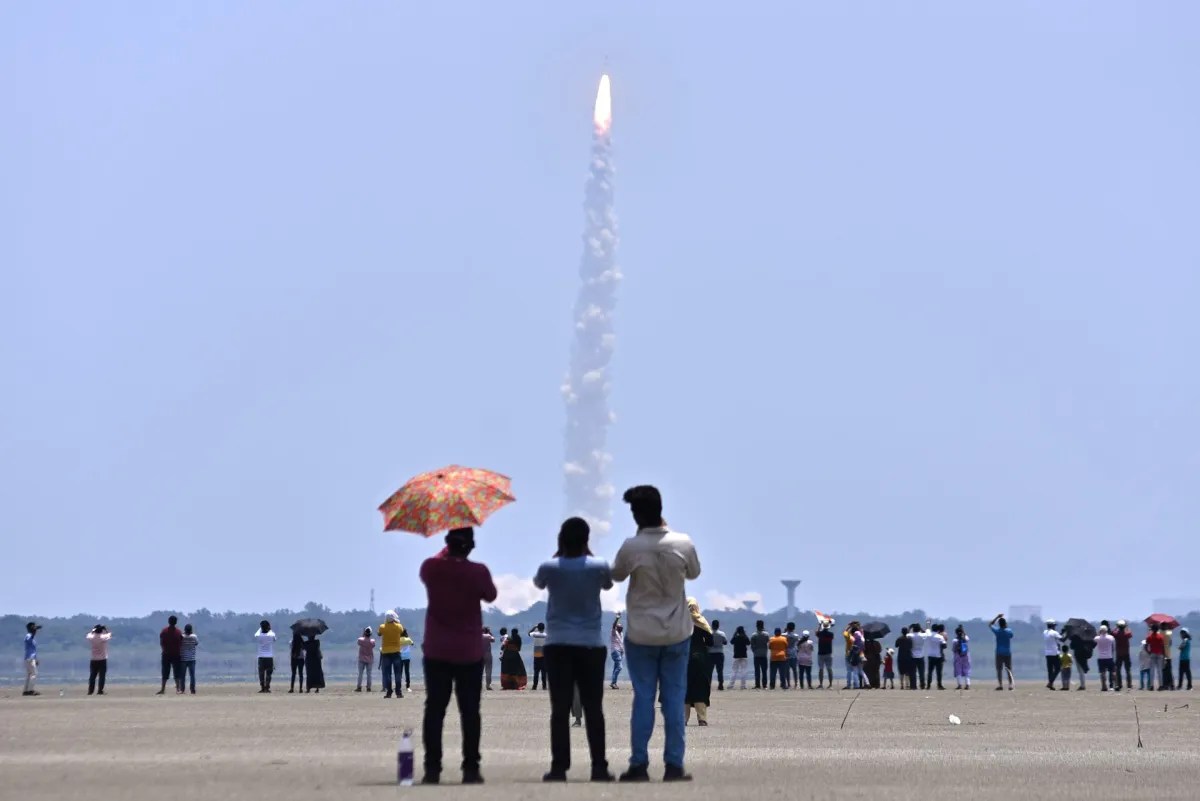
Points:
[[98, 639]]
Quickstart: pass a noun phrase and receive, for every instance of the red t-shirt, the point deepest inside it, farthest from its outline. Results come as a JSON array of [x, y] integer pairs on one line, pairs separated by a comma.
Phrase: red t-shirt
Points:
[[453, 618], [171, 640], [1123, 637], [1154, 643]]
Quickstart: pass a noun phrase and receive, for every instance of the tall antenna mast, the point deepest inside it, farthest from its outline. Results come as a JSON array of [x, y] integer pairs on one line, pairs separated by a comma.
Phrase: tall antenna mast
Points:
[[372, 607]]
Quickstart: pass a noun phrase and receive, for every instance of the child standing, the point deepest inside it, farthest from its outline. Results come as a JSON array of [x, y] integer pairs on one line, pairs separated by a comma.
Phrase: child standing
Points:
[[889, 671], [1144, 680], [962, 658], [1064, 662]]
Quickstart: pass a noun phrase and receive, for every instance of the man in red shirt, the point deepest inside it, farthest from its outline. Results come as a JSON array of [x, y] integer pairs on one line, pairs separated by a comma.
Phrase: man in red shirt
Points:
[[171, 641], [1157, 647], [1123, 635], [453, 649]]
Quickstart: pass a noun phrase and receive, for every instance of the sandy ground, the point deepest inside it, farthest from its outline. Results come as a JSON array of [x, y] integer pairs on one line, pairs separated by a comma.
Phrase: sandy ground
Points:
[[231, 743]]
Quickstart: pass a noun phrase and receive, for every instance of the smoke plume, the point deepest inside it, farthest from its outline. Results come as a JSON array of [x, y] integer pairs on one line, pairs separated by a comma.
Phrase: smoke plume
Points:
[[589, 494]]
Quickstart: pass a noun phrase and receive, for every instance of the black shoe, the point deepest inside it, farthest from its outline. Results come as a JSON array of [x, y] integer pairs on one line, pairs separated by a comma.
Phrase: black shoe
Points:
[[577, 724], [674, 773], [472, 777], [292, 690], [431, 778], [398, 695], [101, 692], [388, 694], [358, 689], [554, 776], [636, 773], [602, 775], [704, 723]]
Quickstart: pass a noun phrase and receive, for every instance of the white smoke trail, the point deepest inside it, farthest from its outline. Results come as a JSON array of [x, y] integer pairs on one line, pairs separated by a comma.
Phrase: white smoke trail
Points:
[[589, 495]]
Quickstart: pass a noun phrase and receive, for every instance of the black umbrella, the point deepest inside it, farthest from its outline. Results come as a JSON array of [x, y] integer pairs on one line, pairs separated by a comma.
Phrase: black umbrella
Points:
[[310, 626], [1078, 628], [876, 630]]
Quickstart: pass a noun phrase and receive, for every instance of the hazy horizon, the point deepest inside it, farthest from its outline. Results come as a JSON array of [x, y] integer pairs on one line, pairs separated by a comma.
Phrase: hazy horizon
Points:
[[907, 309]]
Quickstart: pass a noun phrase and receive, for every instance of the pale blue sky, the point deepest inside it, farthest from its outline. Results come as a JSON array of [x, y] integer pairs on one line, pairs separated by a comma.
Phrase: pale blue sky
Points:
[[908, 309]]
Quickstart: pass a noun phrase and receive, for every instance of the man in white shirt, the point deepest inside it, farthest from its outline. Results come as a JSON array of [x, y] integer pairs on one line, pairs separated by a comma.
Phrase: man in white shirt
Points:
[[658, 562], [1052, 650], [935, 649], [1106, 654], [919, 638], [265, 638]]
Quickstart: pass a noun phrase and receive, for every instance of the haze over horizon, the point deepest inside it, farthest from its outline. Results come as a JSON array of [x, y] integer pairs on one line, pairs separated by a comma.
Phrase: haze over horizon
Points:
[[908, 308]]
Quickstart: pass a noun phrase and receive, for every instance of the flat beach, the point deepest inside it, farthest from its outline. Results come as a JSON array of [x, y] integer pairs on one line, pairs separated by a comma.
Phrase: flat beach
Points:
[[228, 742]]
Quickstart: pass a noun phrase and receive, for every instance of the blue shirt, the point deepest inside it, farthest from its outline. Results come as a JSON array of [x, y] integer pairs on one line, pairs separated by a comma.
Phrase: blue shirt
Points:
[[573, 614], [30, 647], [1003, 641], [1185, 650]]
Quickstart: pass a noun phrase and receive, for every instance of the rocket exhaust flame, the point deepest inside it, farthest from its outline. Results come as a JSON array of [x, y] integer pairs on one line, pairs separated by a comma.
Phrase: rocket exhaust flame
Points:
[[585, 468]]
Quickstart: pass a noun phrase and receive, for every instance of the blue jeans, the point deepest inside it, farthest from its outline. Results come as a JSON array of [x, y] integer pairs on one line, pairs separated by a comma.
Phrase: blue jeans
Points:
[[657, 671], [390, 663], [617, 659]]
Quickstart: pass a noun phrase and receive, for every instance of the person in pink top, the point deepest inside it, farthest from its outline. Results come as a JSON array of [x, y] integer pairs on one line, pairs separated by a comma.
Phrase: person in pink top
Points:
[[98, 669], [366, 658]]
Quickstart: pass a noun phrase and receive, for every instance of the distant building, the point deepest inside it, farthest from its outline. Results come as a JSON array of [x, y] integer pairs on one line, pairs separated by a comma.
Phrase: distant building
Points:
[[1177, 606], [1025, 613]]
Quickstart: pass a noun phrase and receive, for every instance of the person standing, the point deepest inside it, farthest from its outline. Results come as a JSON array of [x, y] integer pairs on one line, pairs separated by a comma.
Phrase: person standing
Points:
[[1083, 649], [716, 655], [391, 636], [1168, 681], [489, 640], [616, 649], [512, 664], [574, 652], [313, 663], [98, 639], [777, 646], [406, 647], [804, 659], [170, 640], [1145, 675], [935, 653], [657, 562], [793, 653], [1123, 636], [1185, 659], [908, 673], [919, 638], [1156, 649], [187, 655], [962, 658], [889, 669], [699, 671], [296, 657], [265, 639], [1052, 650], [741, 657], [760, 646], [1106, 648], [31, 658], [1064, 666], [366, 659], [453, 650], [537, 638], [825, 653], [1004, 637], [872, 661]]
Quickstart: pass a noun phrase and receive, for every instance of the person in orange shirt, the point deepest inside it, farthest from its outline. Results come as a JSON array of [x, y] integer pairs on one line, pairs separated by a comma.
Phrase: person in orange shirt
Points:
[[779, 664]]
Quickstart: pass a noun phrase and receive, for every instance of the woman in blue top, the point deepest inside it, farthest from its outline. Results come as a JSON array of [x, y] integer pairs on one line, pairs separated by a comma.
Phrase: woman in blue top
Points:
[[1004, 637], [575, 651]]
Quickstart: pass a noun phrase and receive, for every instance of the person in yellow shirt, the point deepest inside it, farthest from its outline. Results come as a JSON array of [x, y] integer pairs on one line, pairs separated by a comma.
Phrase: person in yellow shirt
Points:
[[777, 646], [1065, 663], [391, 636]]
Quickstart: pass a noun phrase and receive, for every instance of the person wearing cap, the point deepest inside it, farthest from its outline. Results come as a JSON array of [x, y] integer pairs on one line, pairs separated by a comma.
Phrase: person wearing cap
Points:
[[889, 669], [1144, 668], [97, 640], [1122, 636], [804, 660], [1052, 649], [31, 658], [391, 633], [658, 563], [1185, 658], [1106, 649], [453, 650]]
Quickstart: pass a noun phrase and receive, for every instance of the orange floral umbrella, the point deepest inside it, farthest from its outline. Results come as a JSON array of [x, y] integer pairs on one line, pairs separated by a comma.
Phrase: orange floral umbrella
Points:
[[453, 497]]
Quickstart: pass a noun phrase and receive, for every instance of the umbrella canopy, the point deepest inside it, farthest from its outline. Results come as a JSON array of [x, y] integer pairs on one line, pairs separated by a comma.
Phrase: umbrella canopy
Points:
[[310, 626], [453, 497], [1164, 621], [876, 630], [1078, 628]]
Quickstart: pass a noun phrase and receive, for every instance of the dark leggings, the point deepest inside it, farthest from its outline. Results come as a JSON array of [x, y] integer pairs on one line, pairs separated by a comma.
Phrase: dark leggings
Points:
[[405, 664], [1185, 672], [805, 673], [298, 670]]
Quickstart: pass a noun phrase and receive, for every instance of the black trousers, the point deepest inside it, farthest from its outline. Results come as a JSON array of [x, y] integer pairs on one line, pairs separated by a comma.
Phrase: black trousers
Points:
[[935, 664], [1127, 663], [761, 668], [406, 669], [1053, 668], [919, 666], [97, 670], [718, 667], [539, 671], [1185, 671], [298, 670], [266, 666], [572, 668], [779, 670], [463, 681], [171, 664]]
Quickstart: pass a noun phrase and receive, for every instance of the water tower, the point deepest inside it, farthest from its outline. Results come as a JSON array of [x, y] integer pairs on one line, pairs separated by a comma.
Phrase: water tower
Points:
[[790, 585], [749, 605]]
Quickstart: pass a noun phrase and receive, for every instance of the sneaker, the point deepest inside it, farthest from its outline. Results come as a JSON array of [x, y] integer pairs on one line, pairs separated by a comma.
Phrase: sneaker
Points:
[[674, 773], [636, 773], [554, 776], [472, 777]]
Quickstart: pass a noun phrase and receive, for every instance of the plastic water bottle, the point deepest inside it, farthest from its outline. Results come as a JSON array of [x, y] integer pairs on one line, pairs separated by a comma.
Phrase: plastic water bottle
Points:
[[404, 760]]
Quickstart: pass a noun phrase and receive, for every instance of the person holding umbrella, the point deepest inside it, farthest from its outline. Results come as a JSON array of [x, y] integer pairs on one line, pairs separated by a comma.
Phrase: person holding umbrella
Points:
[[313, 664], [296, 657], [872, 655], [453, 649]]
